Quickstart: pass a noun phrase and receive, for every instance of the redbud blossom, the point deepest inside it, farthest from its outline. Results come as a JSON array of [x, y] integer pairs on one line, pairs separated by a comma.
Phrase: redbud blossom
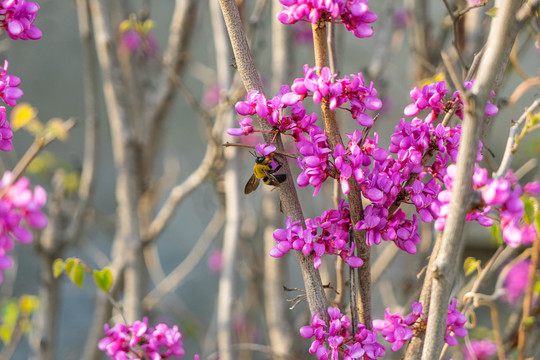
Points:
[[9, 92], [18, 19], [136, 340], [455, 324], [20, 208], [325, 234], [480, 350], [354, 14], [337, 336], [5, 131], [516, 282]]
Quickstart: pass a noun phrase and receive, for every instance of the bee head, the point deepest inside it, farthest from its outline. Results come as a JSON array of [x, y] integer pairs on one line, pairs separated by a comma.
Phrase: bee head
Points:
[[260, 159]]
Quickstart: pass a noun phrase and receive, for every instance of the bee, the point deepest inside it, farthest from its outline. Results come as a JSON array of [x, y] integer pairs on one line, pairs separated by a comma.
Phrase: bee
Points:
[[263, 170]]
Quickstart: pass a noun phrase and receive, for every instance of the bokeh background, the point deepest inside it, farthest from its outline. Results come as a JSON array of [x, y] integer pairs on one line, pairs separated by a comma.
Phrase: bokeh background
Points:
[[52, 79]]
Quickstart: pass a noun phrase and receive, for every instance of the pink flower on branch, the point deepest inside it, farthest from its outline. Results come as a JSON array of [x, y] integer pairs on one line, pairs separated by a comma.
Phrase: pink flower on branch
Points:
[[17, 18], [139, 341], [20, 208], [9, 92], [354, 14]]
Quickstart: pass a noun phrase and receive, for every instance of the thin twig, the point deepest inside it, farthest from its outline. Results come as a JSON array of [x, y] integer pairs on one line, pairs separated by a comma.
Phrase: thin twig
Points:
[[456, 41], [227, 144], [174, 279], [174, 61], [528, 299], [40, 142], [180, 192], [511, 141], [88, 174]]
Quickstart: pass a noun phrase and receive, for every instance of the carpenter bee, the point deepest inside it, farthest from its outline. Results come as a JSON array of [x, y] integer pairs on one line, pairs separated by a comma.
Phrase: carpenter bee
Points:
[[263, 170]]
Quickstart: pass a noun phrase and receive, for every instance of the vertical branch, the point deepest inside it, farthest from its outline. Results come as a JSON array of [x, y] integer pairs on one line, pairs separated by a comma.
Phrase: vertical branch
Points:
[[354, 197], [88, 177], [231, 234], [43, 339], [420, 41], [44, 335], [492, 66], [174, 61], [280, 334], [289, 199]]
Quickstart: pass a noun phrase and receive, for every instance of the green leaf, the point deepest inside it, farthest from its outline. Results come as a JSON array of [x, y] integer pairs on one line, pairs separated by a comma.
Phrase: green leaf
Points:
[[10, 315], [529, 206], [70, 264], [75, 271], [537, 285], [537, 222], [78, 279], [470, 265], [496, 233], [492, 12], [103, 278], [58, 267], [528, 321]]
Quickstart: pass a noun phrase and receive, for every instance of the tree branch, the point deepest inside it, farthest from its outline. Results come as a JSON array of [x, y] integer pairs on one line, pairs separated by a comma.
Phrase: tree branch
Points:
[[289, 199], [501, 38]]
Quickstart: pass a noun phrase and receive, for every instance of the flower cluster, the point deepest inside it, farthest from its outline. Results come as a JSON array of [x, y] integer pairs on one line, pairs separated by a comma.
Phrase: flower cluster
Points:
[[432, 97], [18, 19], [139, 341], [351, 89], [479, 213], [354, 14], [325, 234], [396, 329], [5, 131], [502, 195], [383, 179], [391, 180], [9, 92], [455, 324], [334, 339], [20, 208]]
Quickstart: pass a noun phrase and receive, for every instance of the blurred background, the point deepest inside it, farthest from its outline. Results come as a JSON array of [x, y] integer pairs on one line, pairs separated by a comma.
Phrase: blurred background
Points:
[[51, 70]]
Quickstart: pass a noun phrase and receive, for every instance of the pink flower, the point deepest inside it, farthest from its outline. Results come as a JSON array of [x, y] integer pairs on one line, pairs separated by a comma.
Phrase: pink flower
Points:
[[139, 340], [20, 208], [516, 282], [480, 350], [354, 14], [18, 19], [215, 261], [5, 131], [9, 92], [455, 324]]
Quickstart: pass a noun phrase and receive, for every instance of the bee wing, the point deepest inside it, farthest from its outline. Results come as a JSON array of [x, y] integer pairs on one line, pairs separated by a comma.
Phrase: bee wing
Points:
[[252, 184]]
